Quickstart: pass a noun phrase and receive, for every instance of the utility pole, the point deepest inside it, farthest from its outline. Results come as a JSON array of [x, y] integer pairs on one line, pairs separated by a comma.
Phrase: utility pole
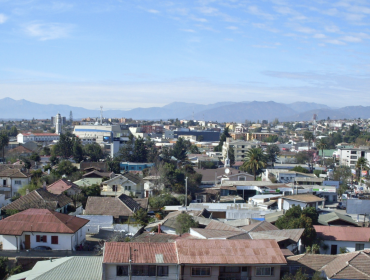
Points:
[[186, 194]]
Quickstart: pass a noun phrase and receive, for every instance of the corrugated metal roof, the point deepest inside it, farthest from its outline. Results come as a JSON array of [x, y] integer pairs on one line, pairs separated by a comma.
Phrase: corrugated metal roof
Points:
[[76, 268], [280, 234], [215, 225], [40, 220], [61, 186], [119, 252], [303, 198], [260, 226], [229, 252], [343, 233], [325, 219], [212, 233]]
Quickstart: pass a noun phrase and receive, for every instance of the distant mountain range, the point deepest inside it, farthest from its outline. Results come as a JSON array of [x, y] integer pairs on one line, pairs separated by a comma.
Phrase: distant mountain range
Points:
[[221, 112]]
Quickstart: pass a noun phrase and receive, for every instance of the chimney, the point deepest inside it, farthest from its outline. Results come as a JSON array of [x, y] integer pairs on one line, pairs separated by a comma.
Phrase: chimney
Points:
[[27, 191], [159, 228]]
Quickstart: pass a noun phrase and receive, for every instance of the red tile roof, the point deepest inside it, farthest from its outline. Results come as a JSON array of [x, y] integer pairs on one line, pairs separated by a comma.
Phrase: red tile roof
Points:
[[119, 252], [61, 186], [229, 252], [40, 220], [343, 233]]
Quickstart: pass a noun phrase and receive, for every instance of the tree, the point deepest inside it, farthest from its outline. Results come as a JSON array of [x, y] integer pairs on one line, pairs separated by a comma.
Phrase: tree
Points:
[[114, 165], [299, 275], [272, 138], [27, 163], [162, 200], [321, 145], [300, 169], [4, 141], [272, 152], [179, 149], [140, 153], [30, 187], [295, 217], [53, 160], [231, 156], [35, 157], [184, 222], [223, 137], [362, 164], [45, 151], [77, 150], [194, 150], [13, 131], [65, 167], [64, 147], [342, 174], [94, 152], [255, 159], [308, 136], [141, 217]]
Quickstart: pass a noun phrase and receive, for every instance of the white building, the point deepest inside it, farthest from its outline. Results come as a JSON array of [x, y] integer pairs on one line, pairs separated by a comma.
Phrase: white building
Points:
[[348, 238], [42, 227], [12, 179], [37, 137], [349, 157], [58, 124], [302, 200], [101, 134], [240, 148]]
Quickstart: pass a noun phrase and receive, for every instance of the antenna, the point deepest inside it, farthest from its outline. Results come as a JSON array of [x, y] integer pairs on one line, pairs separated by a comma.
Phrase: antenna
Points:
[[101, 115]]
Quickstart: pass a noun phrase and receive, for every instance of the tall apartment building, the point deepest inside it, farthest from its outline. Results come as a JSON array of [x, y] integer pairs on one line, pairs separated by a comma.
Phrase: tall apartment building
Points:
[[349, 156], [240, 148]]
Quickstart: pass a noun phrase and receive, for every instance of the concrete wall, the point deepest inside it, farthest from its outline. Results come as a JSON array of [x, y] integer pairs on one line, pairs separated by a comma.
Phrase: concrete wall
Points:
[[276, 275], [110, 271], [9, 242], [350, 245], [96, 222]]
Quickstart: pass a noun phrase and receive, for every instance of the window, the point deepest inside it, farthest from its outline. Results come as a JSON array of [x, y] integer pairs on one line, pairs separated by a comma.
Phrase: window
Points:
[[17, 182], [360, 246], [264, 271], [229, 269], [41, 238], [353, 157], [122, 270], [353, 153], [143, 270], [114, 188], [54, 240], [128, 188], [162, 271], [200, 271]]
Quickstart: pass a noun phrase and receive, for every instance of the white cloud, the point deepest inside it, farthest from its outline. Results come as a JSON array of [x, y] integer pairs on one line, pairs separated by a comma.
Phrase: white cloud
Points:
[[48, 31], [332, 29], [265, 27], [152, 11], [188, 30], [232, 28], [351, 39], [335, 42], [319, 36], [304, 29], [3, 18], [254, 10]]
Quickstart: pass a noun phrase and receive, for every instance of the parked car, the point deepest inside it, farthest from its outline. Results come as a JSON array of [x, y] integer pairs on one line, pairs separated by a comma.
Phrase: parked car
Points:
[[42, 248]]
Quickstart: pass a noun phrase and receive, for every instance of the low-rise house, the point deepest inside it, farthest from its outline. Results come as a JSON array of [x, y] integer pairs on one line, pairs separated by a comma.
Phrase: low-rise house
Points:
[[211, 177], [12, 178], [41, 199], [42, 227], [127, 183], [152, 184], [347, 266], [350, 239], [63, 186], [303, 200], [64, 268], [37, 137], [194, 259], [121, 208], [98, 174]]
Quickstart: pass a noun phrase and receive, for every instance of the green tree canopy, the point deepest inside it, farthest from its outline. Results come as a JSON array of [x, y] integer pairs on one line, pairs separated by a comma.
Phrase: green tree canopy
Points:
[[184, 222], [272, 152], [223, 137], [94, 152], [65, 167], [255, 159]]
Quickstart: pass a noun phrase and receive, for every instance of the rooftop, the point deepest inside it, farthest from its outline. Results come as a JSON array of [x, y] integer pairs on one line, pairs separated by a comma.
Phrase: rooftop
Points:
[[343, 233], [40, 220], [61, 186], [304, 198]]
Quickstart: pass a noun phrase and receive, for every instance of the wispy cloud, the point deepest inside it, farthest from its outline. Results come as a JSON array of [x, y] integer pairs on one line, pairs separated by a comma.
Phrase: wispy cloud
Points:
[[3, 18], [254, 10], [152, 11], [265, 27], [48, 31], [188, 30]]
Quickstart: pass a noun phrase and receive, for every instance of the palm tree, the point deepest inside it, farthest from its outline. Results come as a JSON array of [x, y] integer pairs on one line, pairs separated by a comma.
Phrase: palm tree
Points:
[[255, 159], [362, 163], [4, 141], [321, 145], [308, 136]]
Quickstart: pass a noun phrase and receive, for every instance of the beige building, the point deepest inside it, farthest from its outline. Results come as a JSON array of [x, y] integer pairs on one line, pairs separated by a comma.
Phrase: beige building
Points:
[[240, 148], [123, 184]]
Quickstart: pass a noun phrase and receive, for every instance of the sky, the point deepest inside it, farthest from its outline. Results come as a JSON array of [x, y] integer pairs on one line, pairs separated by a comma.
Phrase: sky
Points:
[[123, 54]]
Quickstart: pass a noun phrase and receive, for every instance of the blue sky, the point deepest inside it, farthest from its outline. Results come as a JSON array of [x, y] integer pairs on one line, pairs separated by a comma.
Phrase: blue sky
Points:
[[143, 53]]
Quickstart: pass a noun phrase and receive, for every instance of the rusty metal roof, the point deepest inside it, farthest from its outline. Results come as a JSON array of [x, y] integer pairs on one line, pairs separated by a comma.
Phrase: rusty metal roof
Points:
[[61, 186], [229, 252], [343, 233], [119, 252], [216, 225], [213, 233], [40, 220]]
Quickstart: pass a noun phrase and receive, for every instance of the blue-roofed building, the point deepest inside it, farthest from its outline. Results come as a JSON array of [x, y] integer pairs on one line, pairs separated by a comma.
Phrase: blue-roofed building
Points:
[[134, 166]]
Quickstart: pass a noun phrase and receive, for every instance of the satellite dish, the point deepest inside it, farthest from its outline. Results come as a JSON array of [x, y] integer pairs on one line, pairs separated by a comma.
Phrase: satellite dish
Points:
[[227, 170]]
